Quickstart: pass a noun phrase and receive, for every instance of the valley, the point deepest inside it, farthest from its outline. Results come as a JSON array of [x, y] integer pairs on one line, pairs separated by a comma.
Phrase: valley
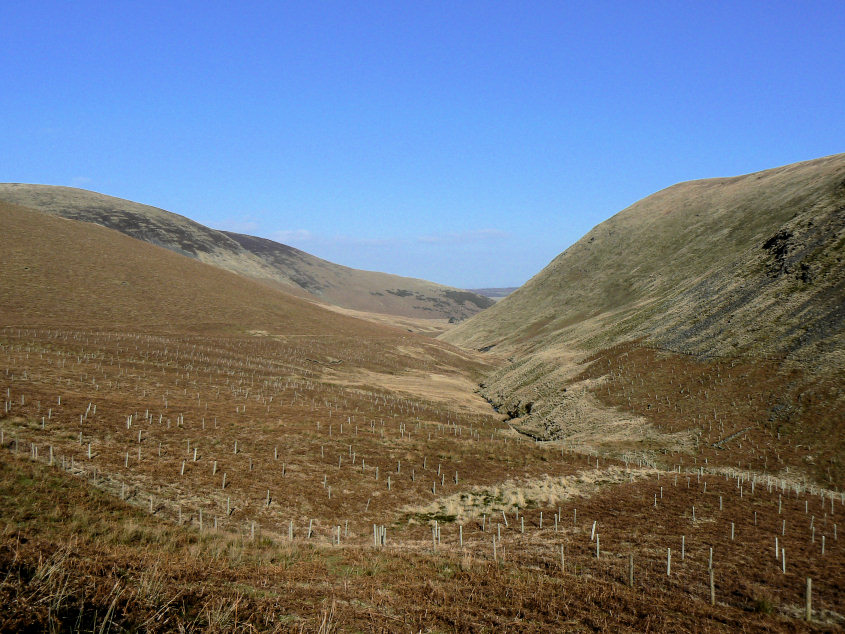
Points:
[[188, 447]]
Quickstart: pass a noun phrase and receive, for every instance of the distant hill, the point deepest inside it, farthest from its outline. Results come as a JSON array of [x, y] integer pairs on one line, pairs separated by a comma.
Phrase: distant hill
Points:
[[264, 260], [61, 272], [494, 293]]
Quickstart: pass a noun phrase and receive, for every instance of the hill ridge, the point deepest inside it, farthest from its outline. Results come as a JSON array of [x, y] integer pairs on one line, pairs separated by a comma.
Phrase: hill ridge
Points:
[[59, 271], [279, 265]]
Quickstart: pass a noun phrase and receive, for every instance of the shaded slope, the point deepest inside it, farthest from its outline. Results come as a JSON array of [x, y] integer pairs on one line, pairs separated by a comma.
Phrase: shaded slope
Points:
[[745, 265], [363, 290], [296, 271]]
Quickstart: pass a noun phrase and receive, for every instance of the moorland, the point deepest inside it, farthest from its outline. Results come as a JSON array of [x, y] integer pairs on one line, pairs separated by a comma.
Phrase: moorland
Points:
[[638, 439]]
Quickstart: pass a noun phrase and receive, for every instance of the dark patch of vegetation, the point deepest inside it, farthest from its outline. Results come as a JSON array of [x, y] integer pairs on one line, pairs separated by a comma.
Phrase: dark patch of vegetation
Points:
[[466, 297]]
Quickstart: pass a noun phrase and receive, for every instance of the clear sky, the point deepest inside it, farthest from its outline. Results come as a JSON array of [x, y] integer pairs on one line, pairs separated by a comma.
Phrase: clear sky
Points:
[[463, 142]]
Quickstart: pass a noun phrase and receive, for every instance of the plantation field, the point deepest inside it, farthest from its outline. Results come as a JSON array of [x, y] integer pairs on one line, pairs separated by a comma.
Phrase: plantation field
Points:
[[353, 481]]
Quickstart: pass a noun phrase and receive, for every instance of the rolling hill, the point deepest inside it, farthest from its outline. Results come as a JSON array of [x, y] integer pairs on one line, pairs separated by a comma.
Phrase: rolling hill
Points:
[[260, 259], [761, 252]]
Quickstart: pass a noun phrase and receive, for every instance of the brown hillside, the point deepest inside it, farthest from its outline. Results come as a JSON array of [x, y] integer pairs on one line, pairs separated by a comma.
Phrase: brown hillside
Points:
[[183, 449], [64, 272], [751, 264], [275, 264]]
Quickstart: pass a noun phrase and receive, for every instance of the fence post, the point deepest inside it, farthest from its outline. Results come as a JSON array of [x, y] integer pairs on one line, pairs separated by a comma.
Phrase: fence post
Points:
[[712, 588], [808, 601]]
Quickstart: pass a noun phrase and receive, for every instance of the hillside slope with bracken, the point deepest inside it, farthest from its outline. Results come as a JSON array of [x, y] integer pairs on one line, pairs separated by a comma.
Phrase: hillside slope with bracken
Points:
[[737, 269], [279, 265], [60, 272], [64, 273], [185, 449]]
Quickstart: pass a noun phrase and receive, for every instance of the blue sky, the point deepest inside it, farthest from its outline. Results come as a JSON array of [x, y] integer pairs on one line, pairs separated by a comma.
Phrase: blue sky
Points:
[[463, 142]]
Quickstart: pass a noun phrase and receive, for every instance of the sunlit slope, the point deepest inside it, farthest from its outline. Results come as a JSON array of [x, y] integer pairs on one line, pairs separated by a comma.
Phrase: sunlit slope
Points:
[[60, 272], [265, 260], [744, 265]]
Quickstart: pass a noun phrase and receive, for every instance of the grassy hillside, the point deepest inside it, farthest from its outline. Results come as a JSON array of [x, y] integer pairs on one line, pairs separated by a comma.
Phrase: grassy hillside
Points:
[[761, 252], [94, 563], [276, 264], [364, 290], [165, 482], [747, 269]]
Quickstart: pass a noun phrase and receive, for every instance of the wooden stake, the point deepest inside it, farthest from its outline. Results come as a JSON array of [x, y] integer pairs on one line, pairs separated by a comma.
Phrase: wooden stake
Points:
[[712, 588], [808, 601]]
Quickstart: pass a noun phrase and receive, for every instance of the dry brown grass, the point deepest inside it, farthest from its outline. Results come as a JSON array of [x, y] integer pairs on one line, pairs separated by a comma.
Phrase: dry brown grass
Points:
[[788, 421], [112, 540], [161, 575], [750, 265], [734, 287], [170, 578]]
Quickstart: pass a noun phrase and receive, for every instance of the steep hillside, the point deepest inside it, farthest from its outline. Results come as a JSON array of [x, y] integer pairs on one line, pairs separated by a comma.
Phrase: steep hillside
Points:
[[761, 252], [746, 269], [282, 266]]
